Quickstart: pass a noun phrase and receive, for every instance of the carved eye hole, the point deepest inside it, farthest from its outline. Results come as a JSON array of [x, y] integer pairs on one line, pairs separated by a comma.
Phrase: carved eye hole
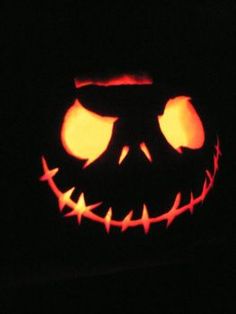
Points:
[[84, 134], [181, 125]]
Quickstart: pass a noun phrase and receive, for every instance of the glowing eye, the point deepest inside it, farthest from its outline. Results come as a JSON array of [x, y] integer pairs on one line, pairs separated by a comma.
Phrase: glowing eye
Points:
[[181, 125], [84, 134]]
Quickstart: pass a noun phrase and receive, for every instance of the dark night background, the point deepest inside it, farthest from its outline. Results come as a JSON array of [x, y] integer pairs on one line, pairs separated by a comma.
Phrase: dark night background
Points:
[[50, 264]]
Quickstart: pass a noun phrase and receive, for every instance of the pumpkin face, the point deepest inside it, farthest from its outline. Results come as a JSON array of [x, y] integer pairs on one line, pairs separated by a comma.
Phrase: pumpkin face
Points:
[[164, 150]]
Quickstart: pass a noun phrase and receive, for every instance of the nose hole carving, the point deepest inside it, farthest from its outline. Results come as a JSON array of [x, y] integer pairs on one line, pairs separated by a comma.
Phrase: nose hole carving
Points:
[[123, 154], [145, 150], [125, 150]]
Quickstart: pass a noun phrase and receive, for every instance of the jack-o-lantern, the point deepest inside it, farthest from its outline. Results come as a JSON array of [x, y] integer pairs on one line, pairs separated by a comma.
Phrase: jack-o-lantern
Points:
[[166, 143]]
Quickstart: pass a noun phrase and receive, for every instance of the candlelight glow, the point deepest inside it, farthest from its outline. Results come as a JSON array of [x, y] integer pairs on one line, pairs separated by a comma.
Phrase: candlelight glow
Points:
[[87, 136]]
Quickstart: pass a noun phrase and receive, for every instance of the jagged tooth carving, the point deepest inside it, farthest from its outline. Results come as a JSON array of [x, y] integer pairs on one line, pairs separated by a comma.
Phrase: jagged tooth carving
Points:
[[48, 174], [191, 203], [209, 175], [217, 147], [64, 198], [80, 208], [216, 165], [107, 220], [204, 190], [126, 221], [172, 213], [145, 219]]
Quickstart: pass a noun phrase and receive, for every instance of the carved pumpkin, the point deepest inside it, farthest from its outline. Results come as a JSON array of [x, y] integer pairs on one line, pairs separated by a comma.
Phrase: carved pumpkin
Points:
[[175, 130]]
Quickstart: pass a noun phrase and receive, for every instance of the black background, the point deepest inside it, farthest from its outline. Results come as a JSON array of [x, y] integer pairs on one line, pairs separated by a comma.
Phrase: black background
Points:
[[49, 264]]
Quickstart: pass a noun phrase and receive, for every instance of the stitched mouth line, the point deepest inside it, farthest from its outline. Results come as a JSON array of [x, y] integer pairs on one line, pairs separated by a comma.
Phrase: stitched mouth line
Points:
[[80, 209]]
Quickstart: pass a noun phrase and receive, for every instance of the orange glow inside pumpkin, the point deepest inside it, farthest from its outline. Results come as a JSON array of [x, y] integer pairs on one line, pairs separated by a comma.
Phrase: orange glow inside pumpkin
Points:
[[181, 125], [84, 134]]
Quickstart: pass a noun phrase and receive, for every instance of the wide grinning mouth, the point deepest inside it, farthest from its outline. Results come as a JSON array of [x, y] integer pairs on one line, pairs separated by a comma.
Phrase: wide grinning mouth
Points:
[[80, 209]]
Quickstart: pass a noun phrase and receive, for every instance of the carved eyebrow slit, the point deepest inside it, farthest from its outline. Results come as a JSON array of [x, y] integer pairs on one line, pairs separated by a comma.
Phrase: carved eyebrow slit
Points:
[[124, 79]]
